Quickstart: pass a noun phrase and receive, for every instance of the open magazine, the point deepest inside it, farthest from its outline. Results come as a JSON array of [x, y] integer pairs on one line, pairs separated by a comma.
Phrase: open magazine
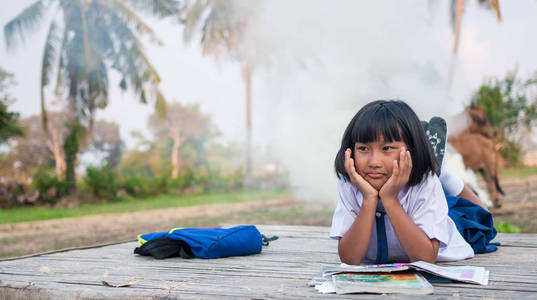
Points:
[[325, 283]]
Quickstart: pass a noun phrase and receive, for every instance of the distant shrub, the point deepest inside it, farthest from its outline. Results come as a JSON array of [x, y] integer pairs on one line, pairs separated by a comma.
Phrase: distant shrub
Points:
[[158, 184], [511, 152], [50, 188], [184, 180], [144, 186], [14, 193], [189, 181], [225, 182], [101, 181], [502, 227], [131, 185], [202, 179]]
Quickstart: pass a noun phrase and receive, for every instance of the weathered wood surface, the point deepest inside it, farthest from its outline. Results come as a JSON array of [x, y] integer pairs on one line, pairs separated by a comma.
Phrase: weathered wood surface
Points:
[[281, 271]]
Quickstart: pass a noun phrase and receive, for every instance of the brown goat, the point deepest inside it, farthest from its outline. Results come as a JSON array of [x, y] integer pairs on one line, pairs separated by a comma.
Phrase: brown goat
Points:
[[479, 152], [478, 121]]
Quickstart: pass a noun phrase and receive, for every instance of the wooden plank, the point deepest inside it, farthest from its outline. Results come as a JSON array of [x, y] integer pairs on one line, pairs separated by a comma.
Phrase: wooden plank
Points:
[[517, 240], [281, 271]]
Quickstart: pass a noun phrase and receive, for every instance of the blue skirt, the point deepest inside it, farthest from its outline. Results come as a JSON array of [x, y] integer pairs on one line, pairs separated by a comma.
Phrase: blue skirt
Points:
[[474, 223]]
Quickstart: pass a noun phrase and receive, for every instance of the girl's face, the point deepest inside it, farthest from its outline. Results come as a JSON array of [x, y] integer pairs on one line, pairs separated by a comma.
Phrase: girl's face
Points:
[[374, 160]]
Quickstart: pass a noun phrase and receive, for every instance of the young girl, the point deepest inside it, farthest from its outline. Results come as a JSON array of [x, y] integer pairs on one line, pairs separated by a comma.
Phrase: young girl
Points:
[[386, 169]]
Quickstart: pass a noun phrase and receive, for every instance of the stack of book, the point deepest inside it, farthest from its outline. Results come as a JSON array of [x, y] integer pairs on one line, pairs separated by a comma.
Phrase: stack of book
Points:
[[405, 278]]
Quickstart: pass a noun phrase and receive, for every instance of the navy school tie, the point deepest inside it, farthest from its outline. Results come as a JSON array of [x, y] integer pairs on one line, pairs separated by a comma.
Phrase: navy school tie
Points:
[[382, 242]]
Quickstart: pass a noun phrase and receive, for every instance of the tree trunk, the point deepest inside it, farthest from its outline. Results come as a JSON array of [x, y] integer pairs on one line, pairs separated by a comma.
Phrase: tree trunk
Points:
[[459, 9], [71, 149], [55, 145], [70, 145], [177, 141], [248, 83]]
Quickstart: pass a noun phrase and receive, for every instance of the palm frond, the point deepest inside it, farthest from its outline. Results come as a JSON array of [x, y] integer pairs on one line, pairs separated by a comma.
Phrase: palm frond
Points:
[[87, 51], [25, 22], [138, 54], [139, 24], [495, 4], [59, 78], [158, 8], [192, 18], [96, 95], [134, 71], [98, 86], [49, 56], [161, 106]]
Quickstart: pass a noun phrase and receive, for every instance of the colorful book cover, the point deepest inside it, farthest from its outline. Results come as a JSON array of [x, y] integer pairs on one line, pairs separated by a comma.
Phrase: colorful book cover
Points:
[[408, 282]]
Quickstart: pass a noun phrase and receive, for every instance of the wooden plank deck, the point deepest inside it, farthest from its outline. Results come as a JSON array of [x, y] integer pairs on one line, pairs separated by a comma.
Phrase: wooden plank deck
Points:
[[281, 271]]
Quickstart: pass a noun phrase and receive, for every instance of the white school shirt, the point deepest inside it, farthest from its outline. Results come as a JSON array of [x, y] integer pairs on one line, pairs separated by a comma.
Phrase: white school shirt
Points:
[[451, 184], [425, 204]]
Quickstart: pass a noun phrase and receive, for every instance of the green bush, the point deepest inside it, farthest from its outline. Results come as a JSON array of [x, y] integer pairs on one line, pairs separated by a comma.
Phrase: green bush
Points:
[[202, 179], [50, 188], [144, 186], [225, 182], [512, 153], [132, 185], [510, 108], [101, 182], [158, 184], [502, 227], [184, 180], [189, 181]]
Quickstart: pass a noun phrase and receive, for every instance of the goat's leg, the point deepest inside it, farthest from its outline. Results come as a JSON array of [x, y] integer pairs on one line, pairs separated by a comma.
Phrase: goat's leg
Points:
[[491, 188]]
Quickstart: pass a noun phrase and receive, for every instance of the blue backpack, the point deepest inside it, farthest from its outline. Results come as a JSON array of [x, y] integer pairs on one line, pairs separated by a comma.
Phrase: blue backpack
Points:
[[202, 242]]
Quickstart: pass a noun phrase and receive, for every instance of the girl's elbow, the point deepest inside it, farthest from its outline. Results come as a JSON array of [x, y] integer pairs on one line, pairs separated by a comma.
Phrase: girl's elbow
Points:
[[426, 257], [350, 260], [349, 257]]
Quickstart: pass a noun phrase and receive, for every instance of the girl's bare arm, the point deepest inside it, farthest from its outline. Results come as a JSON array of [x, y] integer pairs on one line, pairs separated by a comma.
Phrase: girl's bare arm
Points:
[[352, 247], [414, 241]]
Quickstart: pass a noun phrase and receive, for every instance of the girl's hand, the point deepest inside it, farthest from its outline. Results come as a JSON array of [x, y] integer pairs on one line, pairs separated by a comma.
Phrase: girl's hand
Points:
[[368, 191], [400, 176]]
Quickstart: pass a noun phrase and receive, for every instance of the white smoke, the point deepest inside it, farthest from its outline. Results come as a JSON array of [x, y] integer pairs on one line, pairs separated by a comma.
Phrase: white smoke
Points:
[[330, 58]]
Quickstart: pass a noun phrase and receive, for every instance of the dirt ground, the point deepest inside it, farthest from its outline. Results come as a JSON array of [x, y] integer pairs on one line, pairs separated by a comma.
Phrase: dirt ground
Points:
[[520, 209], [520, 204]]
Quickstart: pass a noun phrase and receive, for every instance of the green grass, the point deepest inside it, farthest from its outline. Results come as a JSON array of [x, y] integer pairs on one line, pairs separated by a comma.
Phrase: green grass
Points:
[[504, 227], [520, 172], [26, 214]]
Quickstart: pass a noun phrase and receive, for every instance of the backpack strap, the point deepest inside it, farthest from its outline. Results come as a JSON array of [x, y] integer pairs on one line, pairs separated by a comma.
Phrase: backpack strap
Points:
[[164, 247], [266, 239]]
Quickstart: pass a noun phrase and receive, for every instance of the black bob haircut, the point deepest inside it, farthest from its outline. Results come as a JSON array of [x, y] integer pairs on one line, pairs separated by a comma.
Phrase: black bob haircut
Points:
[[394, 120]]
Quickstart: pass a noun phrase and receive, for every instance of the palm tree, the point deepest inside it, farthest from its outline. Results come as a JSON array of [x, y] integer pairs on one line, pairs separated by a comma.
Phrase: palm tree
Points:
[[85, 39], [224, 24], [457, 10]]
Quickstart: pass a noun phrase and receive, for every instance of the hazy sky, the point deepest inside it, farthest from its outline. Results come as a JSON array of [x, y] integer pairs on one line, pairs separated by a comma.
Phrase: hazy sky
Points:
[[327, 59]]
